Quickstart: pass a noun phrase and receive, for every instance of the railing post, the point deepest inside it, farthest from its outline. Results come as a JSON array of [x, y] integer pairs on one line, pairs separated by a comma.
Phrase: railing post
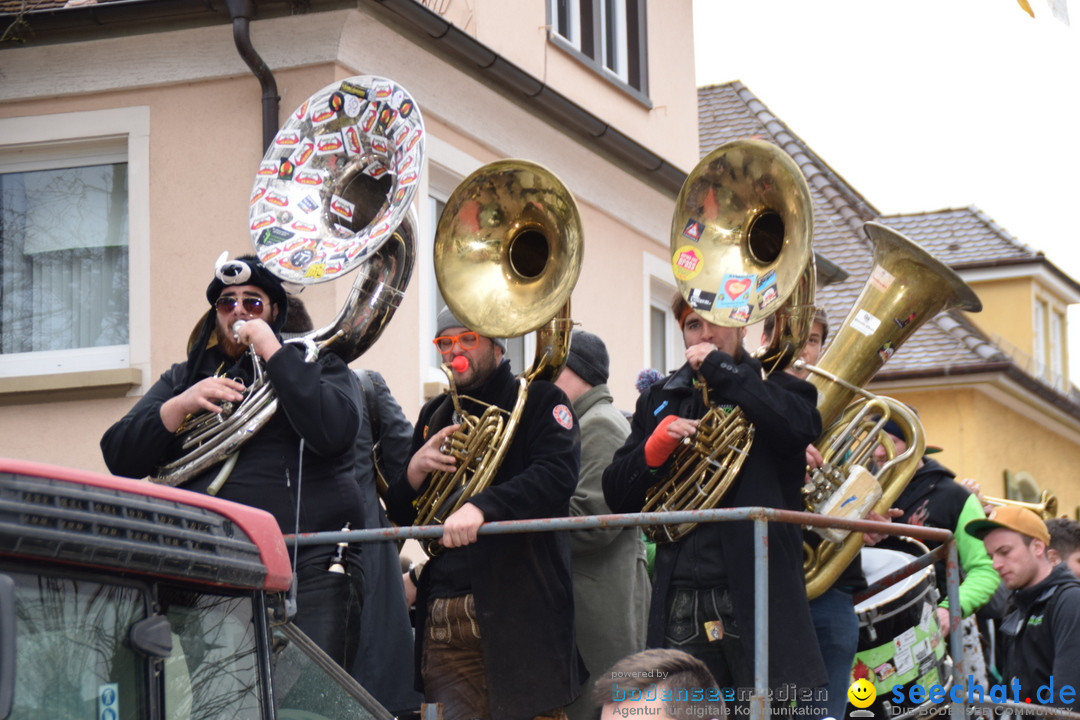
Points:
[[956, 633], [759, 704]]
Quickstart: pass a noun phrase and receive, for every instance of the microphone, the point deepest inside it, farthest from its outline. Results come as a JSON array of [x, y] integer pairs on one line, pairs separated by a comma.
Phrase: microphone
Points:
[[460, 364]]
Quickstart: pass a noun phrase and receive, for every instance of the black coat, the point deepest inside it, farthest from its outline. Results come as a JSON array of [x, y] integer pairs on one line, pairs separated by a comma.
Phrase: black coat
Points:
[[783, 411], [316, 401], [521, 582]]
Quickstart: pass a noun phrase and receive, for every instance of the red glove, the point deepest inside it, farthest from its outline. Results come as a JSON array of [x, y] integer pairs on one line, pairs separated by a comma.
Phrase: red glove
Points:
[[660, 445]]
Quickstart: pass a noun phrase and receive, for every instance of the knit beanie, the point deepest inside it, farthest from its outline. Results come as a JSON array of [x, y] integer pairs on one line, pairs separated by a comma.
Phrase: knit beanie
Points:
[[588, 357]]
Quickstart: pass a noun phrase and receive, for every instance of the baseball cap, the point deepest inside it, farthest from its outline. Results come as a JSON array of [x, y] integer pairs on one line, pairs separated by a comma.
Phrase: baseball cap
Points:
[[1010, 517]]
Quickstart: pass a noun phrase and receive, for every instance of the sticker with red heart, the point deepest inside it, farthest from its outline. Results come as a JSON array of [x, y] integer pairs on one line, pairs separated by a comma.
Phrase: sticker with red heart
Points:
[[735, 287]]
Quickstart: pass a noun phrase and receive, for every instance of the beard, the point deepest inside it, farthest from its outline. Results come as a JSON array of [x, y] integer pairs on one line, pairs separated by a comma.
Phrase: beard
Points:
[[480, 369], [229, 346]]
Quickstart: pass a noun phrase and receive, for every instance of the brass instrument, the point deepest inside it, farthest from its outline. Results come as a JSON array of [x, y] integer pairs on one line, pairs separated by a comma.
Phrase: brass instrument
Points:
[[906, 287], [1046, 507], [741, 251], [508, 250], [329, 197]]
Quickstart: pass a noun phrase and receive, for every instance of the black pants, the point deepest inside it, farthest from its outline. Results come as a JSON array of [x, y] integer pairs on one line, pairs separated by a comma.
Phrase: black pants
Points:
[[702, 623], [328, 604]]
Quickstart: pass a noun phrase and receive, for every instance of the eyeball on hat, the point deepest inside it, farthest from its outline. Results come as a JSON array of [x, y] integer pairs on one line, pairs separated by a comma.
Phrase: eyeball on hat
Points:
[[248, 270], [231, 272]]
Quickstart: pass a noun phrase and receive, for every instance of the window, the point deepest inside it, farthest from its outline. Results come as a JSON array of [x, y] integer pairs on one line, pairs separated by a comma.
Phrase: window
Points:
[[609, 35], [1039, 323], [662, 332], [74, 660], [66, 219], [1057, 333]]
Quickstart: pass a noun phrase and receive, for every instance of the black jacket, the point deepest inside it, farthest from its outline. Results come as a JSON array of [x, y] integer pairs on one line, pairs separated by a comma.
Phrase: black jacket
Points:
[[521, 582], [932, 498], [1042, 639], [783, 411], [316, 401]]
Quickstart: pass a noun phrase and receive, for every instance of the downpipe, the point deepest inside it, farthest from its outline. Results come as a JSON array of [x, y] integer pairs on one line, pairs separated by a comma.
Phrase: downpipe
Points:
[[241, 12]]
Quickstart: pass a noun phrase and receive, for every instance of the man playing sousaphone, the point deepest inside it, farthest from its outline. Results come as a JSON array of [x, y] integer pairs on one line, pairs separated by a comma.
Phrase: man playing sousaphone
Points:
[[703, 583], [300, 466], [495, 613]]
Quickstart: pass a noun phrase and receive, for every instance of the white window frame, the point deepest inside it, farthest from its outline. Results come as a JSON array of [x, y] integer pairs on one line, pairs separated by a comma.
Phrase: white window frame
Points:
[[1039, 313], [621, 68], [1057, 334], [573, 15], [90, 138], [658, 290]]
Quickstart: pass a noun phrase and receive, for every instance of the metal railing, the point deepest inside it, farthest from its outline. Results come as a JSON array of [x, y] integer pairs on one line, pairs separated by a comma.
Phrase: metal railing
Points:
[[759, 705]]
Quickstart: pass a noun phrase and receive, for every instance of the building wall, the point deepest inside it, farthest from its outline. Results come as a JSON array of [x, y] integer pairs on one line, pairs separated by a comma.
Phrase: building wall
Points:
[[984, 433], [1007, 305], [204, 142]]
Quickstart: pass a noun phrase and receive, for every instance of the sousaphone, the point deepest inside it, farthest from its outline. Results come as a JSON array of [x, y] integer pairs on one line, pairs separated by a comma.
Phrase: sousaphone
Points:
[[333, 194]]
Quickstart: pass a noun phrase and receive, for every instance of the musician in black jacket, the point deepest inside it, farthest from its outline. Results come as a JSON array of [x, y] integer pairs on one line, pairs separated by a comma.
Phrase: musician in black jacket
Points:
[[300, 466], [495, 613], [703, 584]]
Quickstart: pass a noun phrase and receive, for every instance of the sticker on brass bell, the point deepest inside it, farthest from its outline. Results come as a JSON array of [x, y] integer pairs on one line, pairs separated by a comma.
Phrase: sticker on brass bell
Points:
[[699, 299], [693, 230], [735, 290], [687, 263], [740, 314], [904, 322]]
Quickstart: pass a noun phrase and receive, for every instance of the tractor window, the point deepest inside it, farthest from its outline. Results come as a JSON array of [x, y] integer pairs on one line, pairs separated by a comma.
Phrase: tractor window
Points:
[[74, 662], [213, 671]]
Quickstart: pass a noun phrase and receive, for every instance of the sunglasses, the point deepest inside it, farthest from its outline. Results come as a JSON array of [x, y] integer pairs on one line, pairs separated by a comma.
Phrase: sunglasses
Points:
[[466, 341], [228, 303]]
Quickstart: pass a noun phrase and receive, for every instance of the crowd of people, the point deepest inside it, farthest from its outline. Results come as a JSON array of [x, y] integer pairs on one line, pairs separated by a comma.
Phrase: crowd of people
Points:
[[556, 624]]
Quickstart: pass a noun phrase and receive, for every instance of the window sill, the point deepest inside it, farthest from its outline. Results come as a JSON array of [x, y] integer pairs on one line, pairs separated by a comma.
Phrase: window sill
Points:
[[87, 385]]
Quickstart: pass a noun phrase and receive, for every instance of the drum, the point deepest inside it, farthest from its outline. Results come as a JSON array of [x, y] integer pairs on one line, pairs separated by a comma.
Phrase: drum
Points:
[[900, 641]]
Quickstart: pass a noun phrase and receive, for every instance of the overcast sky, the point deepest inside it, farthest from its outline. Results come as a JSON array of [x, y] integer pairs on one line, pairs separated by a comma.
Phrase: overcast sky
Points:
[[922, 105]]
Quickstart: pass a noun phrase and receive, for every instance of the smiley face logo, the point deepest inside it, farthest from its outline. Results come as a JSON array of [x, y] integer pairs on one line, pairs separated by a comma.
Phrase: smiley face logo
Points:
[[861, 693]]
